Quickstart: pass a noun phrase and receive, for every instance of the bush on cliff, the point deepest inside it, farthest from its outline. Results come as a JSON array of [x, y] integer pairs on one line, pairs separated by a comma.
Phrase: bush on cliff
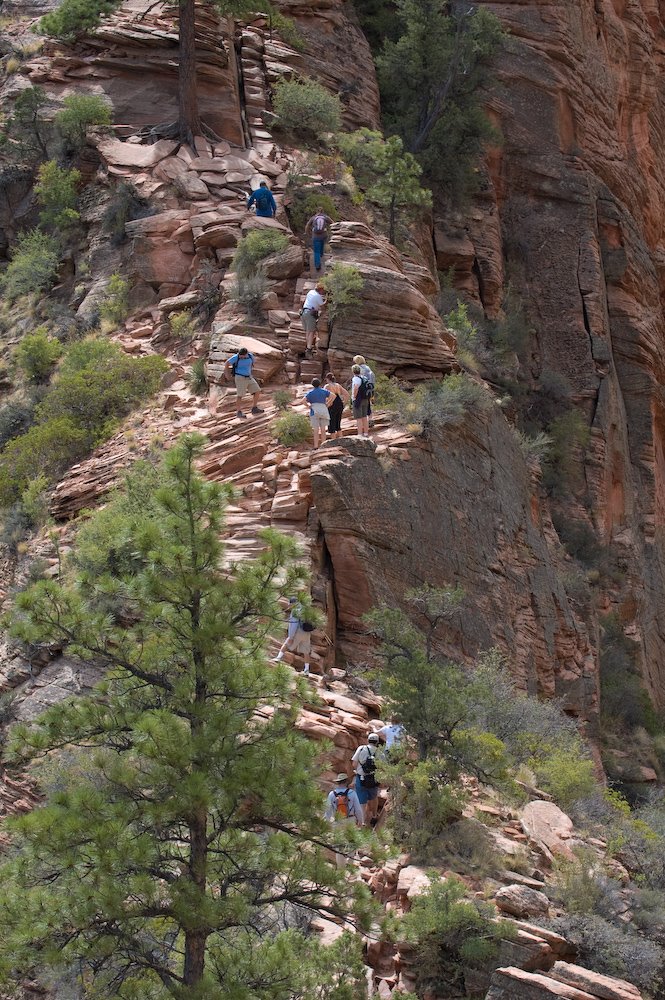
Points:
[[433, 403], [174, 854], [34, 265], [75, 17], [37, 355], [255, 247], [292, 428], [306, 109]]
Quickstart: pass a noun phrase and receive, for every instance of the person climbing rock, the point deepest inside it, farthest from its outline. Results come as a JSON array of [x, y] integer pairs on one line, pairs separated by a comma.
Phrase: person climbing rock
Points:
[[319, 399], [309, 314], [318, 228], [342, 802], [367, 787], [337, 406], [240, 366], [392, 733], [360, 401], [298, 635], [266, 207]]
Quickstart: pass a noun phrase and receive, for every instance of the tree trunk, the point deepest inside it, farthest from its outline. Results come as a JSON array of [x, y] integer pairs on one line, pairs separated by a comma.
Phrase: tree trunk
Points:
[[188, 104]]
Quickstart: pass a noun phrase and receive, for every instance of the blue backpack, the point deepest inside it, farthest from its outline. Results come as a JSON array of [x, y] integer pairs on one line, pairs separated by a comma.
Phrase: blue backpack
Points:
[[365, 389]]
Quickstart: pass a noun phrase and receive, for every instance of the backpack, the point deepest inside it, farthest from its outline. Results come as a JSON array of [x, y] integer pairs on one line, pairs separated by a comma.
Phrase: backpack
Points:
[[365, 389], [319, 224], [263, 201], [306, 626], [368, 777], [341, 804]]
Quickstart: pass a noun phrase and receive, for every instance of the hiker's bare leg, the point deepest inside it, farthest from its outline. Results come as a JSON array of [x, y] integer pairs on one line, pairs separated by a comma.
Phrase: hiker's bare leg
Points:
[[255, 398]]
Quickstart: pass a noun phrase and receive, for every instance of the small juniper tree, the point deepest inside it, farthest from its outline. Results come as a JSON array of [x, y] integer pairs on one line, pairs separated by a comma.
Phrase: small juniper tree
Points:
[[168, 862]]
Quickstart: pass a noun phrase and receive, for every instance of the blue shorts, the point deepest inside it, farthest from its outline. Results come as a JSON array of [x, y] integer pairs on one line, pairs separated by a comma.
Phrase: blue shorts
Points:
[[365, 794]]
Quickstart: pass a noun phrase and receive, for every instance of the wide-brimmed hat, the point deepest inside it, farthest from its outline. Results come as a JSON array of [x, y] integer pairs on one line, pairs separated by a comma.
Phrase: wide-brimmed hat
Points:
[[342, 777], [373, 738]]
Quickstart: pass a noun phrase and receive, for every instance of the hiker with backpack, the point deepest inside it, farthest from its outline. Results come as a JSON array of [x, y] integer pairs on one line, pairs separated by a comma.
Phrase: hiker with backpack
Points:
[[298, 636], [318, 400], [240, 366], [367, 787], [336, 408], [365, 370], [362, 390], [309, 315], [318, 228], [343, 803], [266, 207]]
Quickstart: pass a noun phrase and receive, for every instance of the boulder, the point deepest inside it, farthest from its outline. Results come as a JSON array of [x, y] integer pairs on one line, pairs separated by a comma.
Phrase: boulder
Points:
[[515, 984], [412, 881], [522, 901], [605, 987], [289, 264], [224, 343], [548, 828], [131, 154]]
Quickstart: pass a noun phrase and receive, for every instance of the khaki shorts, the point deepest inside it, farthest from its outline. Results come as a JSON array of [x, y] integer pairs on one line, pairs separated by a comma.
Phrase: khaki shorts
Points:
[[320, 421], [361, 409], [308, 322], [300, 643], [245, 384]]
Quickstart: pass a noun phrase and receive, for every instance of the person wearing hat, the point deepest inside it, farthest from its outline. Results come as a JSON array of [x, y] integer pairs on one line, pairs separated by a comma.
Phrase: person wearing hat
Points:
[[342, 802], [309, 314], [367, 787]]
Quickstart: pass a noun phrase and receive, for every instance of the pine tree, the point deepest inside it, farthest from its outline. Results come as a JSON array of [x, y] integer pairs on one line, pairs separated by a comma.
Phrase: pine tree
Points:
[[182, 839]]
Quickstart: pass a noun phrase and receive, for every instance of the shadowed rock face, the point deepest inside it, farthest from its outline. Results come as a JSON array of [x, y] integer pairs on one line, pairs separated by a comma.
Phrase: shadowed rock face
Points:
[[455, 508], [574, 210]]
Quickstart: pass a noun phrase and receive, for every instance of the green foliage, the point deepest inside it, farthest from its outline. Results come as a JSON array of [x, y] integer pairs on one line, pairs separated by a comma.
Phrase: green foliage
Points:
[[26, 131], [248, 292], [563, 469], [79, 112], [114, 307], [37, 354], [56, 191], [292, 428], [433, 403], [389, 176], [48, 448], [565, 775], [306, 109], [198, 380], [182, 324], [343, 284], [286, 28], [15, 418], [613, 950], [255, 247], [125, 205], [534, 445], [430, 80], [34, 265], [424, 803], [450, 934], [75, 17], [304, 204], [282, 399], [193, 816]]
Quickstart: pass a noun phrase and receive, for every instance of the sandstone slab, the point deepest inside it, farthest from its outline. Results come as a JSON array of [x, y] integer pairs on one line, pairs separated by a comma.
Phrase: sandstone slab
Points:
[[522, 901], [130, 154], [548, 828]]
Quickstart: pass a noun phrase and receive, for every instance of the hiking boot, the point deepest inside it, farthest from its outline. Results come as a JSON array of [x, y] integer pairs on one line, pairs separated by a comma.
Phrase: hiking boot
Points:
[[257, 409], [241, 414]]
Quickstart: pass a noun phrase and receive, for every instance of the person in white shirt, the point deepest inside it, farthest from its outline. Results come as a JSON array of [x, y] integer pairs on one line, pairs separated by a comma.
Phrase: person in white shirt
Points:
[[392, 733], [367, 787], [309, 314], [359, 403]]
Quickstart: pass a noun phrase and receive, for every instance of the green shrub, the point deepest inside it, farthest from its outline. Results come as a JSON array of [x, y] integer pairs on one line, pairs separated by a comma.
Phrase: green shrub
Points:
[[34, 265], [182, 324], [37, 354], [566, 775], [450, 934], [534, 445], [75, 17], [436, 403], [612, 950], [26, 133], [15, 419], [80, 111], [47, 448], [198, 381], [89, 353], [282, 399], [343, 284], [114, 308], [255, 247], [424, 802], [292, 428], [304, 204], [56, 191], [125, 205], [248, 292], [286, 28], [306, 108]]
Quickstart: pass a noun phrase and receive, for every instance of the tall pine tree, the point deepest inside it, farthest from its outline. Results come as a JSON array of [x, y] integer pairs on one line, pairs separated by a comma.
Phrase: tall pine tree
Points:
[[175, 853]]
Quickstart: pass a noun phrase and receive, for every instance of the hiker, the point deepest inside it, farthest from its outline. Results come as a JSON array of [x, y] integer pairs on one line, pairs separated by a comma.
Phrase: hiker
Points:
[[343, 803], [319, 400], [309, 314], [240, 366], [336, 408], [361, 390], [298, 636], [392, 733], [266, 207], [365, 370], [367, 787], [317, 228]]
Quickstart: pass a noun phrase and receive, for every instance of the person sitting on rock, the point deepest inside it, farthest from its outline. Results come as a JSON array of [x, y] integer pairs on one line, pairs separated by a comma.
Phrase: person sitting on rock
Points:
[[337, 406], [266, 207], [360, 402], [319, 399], [367, 787], [343, 803], [318, 228], [309, 315], [240, 366], [298, 635]]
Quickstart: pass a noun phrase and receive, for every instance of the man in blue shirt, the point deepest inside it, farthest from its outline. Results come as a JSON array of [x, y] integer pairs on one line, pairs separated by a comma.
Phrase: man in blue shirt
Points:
[[266, 207], [240, 365], [318, 400]]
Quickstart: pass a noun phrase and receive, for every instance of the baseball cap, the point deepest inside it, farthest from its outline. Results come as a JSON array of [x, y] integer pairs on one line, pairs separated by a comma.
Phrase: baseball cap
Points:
[[342, 777], [372, 738]]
